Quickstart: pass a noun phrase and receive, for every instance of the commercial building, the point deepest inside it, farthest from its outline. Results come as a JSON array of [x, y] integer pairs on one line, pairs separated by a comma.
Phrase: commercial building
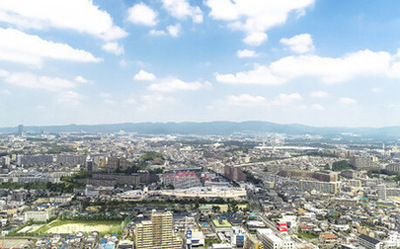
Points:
[[221, 225], [181, 180], [237, 237], [272, 241], [204, 192], [252, 242], [157, 233]]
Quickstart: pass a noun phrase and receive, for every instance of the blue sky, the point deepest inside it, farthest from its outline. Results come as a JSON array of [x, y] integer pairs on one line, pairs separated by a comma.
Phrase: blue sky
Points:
[[315, 62]]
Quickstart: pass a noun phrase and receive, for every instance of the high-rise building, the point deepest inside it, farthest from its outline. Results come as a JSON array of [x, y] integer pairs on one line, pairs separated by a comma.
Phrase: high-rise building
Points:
[[363, 163], [234, 173], [20, 130], [252, 242], [394, 167], [89, 164], [5, 161], [157, 233]]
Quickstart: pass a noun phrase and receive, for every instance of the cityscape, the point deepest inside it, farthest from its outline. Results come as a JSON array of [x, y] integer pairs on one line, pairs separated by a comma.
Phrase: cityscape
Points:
[[212, 124], [246, 190]]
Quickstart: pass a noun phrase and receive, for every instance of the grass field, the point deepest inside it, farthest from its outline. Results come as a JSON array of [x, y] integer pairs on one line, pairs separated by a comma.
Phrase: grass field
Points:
[[70, 227]]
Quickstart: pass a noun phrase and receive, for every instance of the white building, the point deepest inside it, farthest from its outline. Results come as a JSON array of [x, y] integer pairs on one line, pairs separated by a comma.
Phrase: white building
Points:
[[272, 241], [290, 220], [369, 242], [393, 241], [42, 215]]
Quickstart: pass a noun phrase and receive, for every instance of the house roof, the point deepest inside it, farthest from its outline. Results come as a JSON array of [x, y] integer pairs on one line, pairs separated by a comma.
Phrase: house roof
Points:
[[329, 236]]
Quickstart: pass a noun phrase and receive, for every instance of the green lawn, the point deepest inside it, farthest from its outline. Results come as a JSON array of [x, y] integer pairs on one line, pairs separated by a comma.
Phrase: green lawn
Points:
[[73, 226], [307, 235]]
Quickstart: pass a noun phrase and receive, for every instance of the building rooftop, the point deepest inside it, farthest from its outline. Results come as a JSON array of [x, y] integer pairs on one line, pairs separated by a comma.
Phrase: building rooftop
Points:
[[369, 239], [221, 223]]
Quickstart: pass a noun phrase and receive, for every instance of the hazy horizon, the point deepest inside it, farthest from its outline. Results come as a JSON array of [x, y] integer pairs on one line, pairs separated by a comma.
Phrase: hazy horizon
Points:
[[195, 122]]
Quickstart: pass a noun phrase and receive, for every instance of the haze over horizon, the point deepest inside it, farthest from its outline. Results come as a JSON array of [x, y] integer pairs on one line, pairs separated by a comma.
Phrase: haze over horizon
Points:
[[310, 62], [194, 122]]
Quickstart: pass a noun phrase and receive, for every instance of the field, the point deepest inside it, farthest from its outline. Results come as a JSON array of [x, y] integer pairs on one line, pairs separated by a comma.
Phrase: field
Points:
[[15, 243], [71, 227]]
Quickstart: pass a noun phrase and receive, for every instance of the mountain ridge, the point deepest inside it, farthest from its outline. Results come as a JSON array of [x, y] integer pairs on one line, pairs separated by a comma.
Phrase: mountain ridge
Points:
[[212, 128]]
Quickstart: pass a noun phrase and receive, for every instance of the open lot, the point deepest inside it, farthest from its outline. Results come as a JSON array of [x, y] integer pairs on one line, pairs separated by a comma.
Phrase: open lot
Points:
[[69, 227], [15, 243]]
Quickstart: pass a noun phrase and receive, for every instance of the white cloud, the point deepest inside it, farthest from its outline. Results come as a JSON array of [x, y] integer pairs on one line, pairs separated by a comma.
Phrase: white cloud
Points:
[[142, 14], [300, 43], [376, 90], [259, 75], [155, 32], [80, 79], [3, 73], [319, 94], [285, 99], [145, 76], [123, 63], [69, 98], [328, 69], [40, 107], [107, 99], [246, 100], [131, 101], [151, 101], [175, 84], [254, 16], [79, 15], [318, 107], [245, 53], [5, 92], [16, 46], [300, 107], [105, 95], [113, 47], [392, 106], [29, 80], [255, 39], [157, 98], [174, 30], [347, 101], [333, 70], [181, 9]]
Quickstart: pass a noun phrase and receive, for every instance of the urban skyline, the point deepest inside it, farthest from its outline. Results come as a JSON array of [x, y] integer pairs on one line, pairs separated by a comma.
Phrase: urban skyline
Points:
[[313, 62]]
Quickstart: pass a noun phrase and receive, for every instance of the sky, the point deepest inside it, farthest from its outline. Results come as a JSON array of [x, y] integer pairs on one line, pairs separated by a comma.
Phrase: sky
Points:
[[313, 62]]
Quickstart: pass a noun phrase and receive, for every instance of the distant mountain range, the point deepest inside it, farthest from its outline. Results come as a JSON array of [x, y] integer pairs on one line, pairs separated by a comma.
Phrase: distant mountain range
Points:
[[217, 128]]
